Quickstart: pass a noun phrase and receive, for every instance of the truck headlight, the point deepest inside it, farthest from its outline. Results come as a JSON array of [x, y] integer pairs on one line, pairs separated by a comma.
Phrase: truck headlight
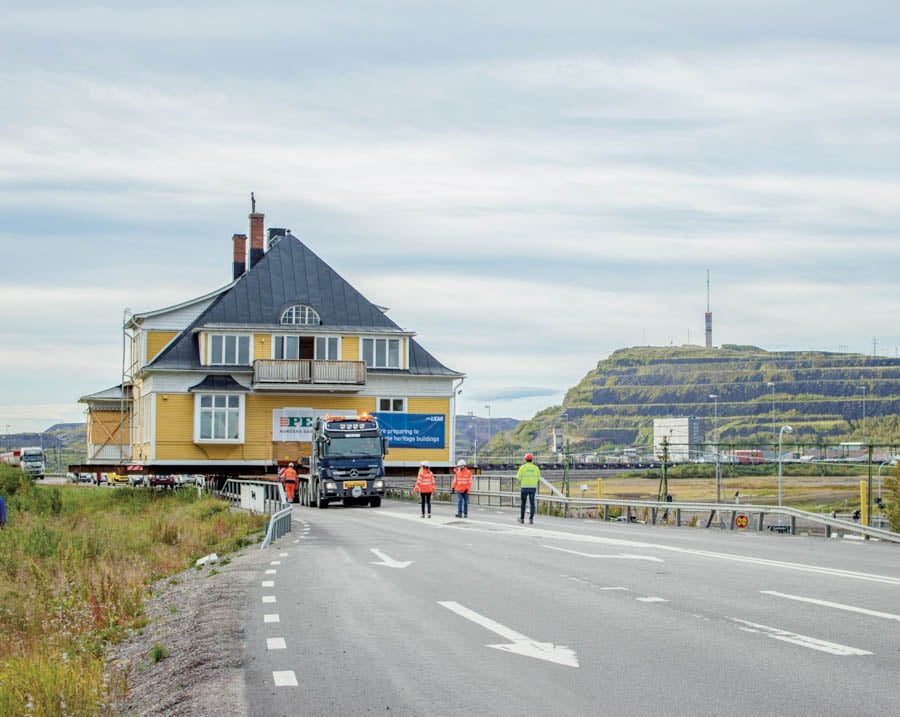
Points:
[[330, 486], [379, 484]]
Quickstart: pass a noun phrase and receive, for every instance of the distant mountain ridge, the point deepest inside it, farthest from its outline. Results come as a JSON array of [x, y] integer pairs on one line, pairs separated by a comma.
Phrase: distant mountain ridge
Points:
[[823, 396]]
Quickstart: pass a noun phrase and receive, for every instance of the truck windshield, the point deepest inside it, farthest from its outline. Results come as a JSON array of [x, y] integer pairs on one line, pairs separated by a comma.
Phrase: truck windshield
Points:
[[350, 447]]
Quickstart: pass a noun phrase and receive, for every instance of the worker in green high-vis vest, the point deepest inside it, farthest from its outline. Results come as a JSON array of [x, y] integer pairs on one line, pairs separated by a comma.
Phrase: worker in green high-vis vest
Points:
[[528, 475]]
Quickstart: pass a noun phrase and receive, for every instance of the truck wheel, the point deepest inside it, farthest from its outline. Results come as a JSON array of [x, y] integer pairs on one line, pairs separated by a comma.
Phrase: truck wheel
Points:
[[375, 502], [321, 503]]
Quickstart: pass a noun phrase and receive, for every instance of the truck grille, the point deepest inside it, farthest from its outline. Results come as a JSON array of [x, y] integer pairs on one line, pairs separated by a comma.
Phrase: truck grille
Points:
[[353, 473]]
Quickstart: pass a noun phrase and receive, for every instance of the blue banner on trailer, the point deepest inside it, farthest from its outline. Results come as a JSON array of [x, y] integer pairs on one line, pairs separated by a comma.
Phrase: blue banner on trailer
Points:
[[413, 430]]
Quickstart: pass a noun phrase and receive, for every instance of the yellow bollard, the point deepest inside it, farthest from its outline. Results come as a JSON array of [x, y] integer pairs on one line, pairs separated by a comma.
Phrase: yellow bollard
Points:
[[599, 487], [863, 503]]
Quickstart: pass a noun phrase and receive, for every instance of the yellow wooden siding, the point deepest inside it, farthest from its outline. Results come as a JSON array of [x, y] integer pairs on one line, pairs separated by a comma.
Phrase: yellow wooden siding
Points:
[[262, 346], [175, 426], [350, 348], [157, 341], [404, 353]]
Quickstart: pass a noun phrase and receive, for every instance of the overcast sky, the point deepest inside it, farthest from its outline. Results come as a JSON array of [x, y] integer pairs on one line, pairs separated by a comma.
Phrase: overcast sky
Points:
[[528, 186]]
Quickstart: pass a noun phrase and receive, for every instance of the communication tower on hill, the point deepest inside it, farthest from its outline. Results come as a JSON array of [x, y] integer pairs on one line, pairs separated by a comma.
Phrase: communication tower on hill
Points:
[[708, 315]]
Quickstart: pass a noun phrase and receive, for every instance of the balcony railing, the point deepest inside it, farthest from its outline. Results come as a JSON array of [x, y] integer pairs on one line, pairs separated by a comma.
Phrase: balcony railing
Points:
[[276, 372]]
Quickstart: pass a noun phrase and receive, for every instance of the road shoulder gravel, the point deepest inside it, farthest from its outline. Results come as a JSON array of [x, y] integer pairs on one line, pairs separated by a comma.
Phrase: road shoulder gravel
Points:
[[197, 617]]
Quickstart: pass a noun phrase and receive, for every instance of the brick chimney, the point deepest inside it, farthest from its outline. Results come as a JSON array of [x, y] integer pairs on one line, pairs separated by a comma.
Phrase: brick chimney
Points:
[[239, 263], [257, 233]]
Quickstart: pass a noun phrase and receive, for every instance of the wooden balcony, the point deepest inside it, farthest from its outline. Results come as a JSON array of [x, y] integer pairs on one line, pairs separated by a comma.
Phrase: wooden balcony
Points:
[[307, 373]]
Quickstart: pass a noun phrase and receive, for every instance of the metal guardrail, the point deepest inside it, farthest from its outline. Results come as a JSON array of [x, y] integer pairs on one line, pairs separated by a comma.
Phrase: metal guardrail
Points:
[[261, 496], [723, 515]]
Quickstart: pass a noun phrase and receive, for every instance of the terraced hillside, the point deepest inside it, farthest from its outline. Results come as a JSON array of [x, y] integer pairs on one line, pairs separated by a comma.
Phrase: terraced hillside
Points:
[[821, 395]]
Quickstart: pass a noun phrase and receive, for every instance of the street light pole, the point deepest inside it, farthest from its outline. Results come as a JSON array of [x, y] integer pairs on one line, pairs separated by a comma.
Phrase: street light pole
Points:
[[490, 433], [780, 438], [715, 398], [772, 386]]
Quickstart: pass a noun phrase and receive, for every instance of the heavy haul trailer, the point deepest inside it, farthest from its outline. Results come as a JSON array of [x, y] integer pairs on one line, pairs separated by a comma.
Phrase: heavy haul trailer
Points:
[[346, 464]]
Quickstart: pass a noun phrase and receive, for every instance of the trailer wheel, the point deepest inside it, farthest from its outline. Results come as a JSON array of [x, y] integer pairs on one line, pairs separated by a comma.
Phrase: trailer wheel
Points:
[[321, 503]]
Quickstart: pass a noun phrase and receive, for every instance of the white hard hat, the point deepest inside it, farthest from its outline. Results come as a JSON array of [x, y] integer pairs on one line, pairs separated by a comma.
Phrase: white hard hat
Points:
[[425, 464], [291, 465], [461, 462]]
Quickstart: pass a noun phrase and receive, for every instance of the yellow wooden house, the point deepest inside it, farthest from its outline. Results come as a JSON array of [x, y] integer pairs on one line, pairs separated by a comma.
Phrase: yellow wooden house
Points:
[[218, 383]]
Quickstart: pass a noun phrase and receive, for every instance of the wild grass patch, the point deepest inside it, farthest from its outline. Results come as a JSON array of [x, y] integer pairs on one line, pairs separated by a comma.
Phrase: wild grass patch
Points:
[[75, 567]]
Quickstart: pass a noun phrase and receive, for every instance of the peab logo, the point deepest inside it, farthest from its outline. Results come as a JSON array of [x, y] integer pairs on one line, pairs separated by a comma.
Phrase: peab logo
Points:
[[296, 422]]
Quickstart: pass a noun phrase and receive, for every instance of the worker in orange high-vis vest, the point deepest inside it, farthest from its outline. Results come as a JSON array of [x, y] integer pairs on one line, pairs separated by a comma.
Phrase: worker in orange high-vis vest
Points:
[[289, 479], [425, 486], [462, 484]]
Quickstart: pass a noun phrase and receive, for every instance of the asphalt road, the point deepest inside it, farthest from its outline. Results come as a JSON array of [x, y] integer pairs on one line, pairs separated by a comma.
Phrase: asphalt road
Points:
[[376, 611]]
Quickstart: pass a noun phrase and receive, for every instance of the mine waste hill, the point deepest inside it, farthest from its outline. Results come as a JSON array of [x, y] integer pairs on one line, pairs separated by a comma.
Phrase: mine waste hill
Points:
[[822, 396]]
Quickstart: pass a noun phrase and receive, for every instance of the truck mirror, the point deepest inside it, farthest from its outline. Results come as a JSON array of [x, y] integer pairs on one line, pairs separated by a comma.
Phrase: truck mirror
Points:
[[385, 443]]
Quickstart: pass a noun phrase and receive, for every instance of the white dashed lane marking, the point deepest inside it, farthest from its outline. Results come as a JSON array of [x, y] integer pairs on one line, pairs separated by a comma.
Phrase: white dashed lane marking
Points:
[[268, 598], [651, 599], [268, 583], [271, 617], [275, 643], [285, 678]]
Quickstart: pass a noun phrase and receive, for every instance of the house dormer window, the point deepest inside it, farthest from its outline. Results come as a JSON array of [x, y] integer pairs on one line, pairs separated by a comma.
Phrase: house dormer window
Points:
[[300, 315], [229, 349]]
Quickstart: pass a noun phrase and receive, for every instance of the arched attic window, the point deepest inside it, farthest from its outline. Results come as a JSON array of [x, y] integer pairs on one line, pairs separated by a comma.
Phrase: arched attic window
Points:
[[300, 315]]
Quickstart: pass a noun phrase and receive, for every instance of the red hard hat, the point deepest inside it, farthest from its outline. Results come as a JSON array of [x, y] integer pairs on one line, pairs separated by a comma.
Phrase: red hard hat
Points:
[[529, 457]]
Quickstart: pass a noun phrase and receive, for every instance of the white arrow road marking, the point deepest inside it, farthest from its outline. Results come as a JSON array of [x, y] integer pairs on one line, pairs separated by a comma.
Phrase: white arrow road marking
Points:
[[390, 562], [620, 556], [813, 643], [839, 606], [521, 645]]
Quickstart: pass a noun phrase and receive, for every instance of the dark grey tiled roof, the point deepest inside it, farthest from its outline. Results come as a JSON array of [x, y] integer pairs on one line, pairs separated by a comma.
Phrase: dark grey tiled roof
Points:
[[218, 383], [290, 273]]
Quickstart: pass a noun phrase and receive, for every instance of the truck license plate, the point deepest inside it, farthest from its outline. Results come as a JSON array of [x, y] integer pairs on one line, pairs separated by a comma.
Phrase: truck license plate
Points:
[[354, 484]]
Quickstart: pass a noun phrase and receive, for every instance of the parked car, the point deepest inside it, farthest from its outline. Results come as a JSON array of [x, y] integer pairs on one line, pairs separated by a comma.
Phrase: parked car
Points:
[[136, 479], [166, 481]]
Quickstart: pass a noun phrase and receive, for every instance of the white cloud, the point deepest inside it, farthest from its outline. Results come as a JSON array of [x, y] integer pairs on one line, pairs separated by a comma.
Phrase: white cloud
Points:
[[549, 181]]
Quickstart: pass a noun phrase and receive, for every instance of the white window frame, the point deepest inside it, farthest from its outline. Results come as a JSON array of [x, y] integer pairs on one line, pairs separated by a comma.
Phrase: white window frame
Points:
[[229, 411], [300, 315], [238, 339], [332, 348], [281, 340], [392, 402], [376, 351]]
